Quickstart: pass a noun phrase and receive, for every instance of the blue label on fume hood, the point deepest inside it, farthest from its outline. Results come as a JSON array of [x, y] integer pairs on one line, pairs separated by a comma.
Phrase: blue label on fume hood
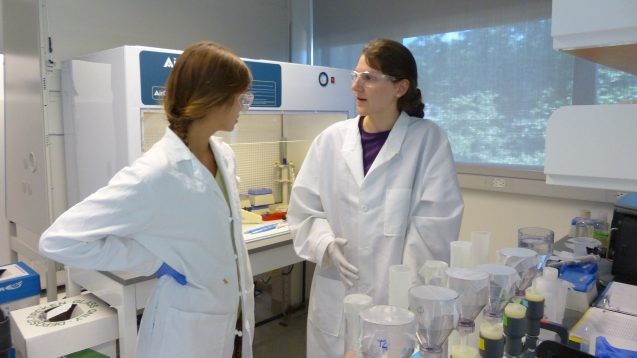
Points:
[[266, 84], [154, 68]]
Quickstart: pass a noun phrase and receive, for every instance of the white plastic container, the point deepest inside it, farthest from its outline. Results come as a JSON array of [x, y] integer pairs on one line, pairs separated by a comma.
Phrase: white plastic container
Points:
[[555, 291]]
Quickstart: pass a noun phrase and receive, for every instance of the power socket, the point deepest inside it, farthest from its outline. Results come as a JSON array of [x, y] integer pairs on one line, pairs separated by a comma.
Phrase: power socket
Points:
[[498, 182]]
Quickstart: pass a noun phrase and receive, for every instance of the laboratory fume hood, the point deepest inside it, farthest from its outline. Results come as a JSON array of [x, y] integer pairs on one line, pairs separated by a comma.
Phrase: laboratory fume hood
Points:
[[112, 114]]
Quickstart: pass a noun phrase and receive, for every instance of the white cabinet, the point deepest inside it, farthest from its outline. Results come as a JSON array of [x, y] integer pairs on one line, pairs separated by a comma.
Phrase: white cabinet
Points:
[[604, 32]]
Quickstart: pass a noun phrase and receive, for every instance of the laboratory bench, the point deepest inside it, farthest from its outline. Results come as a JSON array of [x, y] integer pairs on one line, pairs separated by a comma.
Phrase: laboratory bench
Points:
[[127, 292]]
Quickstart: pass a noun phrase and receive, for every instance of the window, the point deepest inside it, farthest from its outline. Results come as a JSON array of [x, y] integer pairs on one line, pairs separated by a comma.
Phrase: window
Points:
[[493, 89]]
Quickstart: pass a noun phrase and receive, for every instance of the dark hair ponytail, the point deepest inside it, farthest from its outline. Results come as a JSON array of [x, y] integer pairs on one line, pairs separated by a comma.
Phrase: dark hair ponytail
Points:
[[412, 104], [394, 59]]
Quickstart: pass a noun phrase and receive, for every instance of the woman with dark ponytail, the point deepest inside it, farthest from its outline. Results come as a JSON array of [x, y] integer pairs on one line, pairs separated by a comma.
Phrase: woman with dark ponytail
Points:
[[377, 190]]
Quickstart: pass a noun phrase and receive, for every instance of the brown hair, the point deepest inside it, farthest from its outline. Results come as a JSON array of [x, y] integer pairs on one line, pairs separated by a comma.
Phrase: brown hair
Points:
[[392, 58], [205, 75]]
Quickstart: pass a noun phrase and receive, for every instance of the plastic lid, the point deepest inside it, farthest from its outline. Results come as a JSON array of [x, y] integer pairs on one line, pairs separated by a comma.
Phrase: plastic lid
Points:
[[435, 264], [387, 315], [432, 293], [259, 191], [356, 302], [517, 252], [550, 273]]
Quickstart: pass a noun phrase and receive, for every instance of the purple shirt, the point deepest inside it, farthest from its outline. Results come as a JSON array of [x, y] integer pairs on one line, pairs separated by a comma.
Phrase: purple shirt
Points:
[[372, 143]]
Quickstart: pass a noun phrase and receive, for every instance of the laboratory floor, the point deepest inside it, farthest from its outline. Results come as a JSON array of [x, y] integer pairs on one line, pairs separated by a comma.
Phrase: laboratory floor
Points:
[[280, 337]]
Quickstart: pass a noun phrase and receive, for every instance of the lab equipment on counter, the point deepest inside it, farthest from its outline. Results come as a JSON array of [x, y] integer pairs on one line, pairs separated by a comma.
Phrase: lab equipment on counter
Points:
[[387, 332], [401, 279], [535, 303], [538, 239], [623, 245], [514, 329], [502, 282], [480, 243], [260, 197], [583, 246], [524, 261], [93, 324], [583, 278], [352, 306], [436, 311], [286, 178], [461, 254], [554, 291], [19, 287], [473, 291], [433, 272], [265, 228]]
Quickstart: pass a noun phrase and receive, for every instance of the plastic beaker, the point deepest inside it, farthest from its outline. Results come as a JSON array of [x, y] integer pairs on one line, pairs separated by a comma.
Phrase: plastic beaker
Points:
[[401, 278], [538, 239], [502, 282], [352, 305], [524, 261], [436, 310], [480, 243], [473, 292], [387, 331], [461, 254], [433, 273]]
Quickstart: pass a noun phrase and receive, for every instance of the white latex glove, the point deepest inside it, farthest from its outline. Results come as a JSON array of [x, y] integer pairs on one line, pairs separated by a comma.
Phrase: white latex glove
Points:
[[347, 271]]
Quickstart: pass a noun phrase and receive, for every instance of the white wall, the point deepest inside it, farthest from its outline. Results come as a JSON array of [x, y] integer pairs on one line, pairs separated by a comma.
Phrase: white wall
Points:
[[252, 28], [5, 258]]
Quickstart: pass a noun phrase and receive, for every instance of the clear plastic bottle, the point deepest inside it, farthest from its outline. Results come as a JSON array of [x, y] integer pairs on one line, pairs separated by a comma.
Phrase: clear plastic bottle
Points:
[[601, 233], [554, 294], [582, 225]]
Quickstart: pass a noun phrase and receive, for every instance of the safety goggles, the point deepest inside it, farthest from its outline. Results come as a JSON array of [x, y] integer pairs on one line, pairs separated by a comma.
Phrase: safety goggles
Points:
[[368, 78], [246, 100]]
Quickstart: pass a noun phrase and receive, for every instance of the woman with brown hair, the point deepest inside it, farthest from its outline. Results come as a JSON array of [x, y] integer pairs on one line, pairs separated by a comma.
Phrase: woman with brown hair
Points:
[[380, 190], [175, 211]]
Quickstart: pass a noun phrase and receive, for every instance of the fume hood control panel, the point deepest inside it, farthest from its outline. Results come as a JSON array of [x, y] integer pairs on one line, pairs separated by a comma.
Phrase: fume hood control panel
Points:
[[275, 85]]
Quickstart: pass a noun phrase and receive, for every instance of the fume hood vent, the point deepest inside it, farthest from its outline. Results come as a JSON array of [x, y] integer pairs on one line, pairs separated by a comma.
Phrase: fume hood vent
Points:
[[602, 32], [592, 147]]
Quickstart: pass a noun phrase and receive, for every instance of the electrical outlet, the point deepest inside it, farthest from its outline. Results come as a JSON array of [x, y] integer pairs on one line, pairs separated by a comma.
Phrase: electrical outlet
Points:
[[498, 183], [620, 194]]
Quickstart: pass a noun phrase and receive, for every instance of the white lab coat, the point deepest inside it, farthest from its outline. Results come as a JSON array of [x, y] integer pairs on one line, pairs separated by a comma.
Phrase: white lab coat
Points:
[[167, 207], [406, 210]]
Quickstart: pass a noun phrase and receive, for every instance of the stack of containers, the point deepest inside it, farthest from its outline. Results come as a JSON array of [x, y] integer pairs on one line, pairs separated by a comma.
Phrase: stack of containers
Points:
[[260, 199]]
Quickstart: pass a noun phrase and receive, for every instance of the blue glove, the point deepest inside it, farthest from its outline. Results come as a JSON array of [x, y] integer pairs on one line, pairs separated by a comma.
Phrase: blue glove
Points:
[[604, 349], [165, 269]]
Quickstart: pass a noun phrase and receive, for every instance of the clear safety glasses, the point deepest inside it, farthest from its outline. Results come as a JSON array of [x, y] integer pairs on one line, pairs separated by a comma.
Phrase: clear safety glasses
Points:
[[368, 78], [246, 100]]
